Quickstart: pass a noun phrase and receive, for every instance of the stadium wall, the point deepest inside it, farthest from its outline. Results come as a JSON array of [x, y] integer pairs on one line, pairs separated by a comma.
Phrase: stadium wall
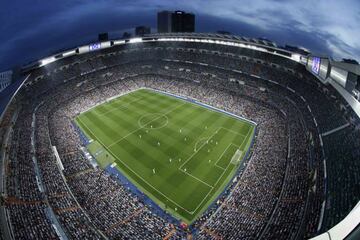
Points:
[[323, 68], [341, 76], [348, 227]]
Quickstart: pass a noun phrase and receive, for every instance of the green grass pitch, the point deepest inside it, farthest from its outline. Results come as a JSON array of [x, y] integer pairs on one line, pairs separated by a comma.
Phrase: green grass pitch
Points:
[[180, 154]]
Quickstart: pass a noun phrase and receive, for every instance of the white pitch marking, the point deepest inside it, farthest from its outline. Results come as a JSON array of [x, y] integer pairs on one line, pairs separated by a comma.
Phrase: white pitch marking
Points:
[[192, 212], [185, 171], [195, 152], [122, 138], [124, 106], [186, 210]]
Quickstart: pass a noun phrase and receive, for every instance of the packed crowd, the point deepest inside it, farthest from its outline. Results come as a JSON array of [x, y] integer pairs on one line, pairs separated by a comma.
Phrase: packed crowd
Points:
[[340, 157], [273, 193]]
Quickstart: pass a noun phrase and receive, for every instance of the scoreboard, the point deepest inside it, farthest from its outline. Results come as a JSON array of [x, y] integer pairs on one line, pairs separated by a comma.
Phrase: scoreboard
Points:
[[318, 66], [315, 65]]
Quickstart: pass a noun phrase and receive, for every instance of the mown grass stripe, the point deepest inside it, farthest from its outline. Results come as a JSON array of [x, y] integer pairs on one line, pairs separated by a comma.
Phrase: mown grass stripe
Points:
[[137, 157]]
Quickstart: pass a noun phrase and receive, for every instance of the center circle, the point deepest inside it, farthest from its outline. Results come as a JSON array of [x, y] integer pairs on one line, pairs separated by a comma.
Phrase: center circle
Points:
[[153, 121]]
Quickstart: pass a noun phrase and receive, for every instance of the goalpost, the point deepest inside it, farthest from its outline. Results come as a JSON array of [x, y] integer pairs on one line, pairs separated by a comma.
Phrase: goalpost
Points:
[[237, 157]]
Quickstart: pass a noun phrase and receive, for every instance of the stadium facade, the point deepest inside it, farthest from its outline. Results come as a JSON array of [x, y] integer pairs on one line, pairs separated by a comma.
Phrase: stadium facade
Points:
[[304, 185], [5, 79]]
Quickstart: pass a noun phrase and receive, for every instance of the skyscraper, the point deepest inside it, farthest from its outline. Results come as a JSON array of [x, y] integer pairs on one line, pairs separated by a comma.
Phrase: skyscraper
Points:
[[183, 22], [177, 21], [164, 21]]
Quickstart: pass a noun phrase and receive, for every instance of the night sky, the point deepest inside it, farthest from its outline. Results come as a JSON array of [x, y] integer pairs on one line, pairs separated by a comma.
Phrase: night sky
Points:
[[33, 29]]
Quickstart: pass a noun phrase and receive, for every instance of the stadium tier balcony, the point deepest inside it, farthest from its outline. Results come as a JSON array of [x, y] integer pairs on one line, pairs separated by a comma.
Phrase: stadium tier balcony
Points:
[[279, 193]]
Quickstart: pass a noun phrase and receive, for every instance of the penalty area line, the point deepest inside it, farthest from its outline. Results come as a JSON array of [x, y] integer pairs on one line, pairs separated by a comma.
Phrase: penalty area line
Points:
[[117, 158]]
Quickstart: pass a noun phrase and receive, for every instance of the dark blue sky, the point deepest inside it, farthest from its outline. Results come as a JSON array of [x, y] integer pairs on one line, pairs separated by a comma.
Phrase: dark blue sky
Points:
[[33, 29]]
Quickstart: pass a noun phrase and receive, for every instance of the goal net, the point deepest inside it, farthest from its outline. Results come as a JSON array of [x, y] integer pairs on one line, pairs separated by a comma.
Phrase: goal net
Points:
[[237, 157]]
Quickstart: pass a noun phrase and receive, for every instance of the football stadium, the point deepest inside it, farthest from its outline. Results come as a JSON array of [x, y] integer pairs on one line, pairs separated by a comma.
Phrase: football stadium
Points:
[[181, 135]]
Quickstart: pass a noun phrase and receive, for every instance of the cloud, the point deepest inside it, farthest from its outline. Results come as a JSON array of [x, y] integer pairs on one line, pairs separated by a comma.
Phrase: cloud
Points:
[[327, 27], [339, 20]]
